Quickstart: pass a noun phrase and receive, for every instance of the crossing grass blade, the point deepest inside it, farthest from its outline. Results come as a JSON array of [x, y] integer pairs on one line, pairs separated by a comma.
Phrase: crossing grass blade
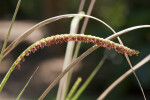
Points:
[[20, 94]]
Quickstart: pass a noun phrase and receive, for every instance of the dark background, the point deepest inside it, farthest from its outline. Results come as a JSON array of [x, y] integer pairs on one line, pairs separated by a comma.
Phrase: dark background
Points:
[[119, 14]]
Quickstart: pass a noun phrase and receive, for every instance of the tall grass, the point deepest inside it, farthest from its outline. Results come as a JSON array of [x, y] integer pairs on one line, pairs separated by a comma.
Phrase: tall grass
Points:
[[73, 60]]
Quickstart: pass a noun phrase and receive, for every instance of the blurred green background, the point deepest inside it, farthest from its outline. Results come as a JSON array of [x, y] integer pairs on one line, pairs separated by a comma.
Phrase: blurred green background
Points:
[[119, 14]]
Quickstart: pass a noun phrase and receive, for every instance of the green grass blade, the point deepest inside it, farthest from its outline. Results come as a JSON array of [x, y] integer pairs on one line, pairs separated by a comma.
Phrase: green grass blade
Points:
[[20, 94], [11, 25], [87, 82], [74, 88]]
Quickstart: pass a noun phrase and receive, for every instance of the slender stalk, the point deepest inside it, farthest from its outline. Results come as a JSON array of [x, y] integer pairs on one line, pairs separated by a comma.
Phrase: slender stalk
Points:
[[82, 3], [74, 88], [121, 78], [129, 62], [20, 94], [87, 82], [128, 30], [8, 34], [88, 13]]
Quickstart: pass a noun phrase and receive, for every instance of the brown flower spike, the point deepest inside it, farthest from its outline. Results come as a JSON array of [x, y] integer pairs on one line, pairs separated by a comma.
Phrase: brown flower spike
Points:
[[74, 37]]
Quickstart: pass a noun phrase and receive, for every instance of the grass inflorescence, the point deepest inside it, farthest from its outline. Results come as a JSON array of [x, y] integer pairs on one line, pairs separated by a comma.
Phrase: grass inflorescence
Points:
[[46, 42]]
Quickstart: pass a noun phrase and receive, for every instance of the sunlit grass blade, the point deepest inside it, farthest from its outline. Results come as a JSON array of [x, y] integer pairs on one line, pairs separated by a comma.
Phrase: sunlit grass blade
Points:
[[74, 88], [20, 94], [89, 79], [64, 82], [121, 78], [8, 34]]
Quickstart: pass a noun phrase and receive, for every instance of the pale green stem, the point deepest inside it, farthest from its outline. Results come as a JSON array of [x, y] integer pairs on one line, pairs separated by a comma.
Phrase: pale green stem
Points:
[[12, 22], [87, 82], [74, 88], [64, 82]]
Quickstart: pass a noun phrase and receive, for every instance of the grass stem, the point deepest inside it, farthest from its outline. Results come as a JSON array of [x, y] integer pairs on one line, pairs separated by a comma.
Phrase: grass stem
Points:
[[20, 94], [74, 88], [10, 28]]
